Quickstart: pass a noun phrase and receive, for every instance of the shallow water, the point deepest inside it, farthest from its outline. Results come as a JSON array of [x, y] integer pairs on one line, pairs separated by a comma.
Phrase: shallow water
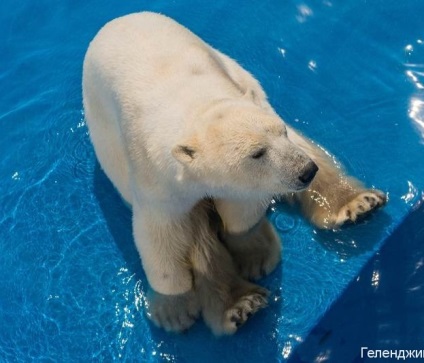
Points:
[[349, 74]]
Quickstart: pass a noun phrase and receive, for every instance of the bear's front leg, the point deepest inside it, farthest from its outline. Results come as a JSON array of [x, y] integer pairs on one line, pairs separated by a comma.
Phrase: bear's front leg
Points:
[[163, 242], [249, 236], [336, 199], [333, 198]]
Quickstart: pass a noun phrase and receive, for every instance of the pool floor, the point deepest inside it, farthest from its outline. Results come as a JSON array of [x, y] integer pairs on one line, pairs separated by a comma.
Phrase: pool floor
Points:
[[349, 74]]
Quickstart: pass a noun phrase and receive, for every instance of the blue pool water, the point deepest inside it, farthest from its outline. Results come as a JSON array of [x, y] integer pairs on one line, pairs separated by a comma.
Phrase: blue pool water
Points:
[[349, 74]]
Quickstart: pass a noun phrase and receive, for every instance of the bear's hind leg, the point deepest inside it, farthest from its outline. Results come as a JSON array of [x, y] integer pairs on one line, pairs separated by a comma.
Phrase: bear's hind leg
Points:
[[227, 304]]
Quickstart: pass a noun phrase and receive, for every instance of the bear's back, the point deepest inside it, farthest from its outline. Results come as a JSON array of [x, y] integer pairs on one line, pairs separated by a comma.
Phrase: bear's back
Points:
[[152, 66]]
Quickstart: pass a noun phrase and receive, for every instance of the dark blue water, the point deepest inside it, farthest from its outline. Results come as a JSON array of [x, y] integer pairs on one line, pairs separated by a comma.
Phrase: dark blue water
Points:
[[382, 308], [349, 74]]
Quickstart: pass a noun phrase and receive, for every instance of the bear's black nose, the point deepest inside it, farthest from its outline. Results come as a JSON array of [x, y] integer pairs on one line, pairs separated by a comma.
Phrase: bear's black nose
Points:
[[308, 172]]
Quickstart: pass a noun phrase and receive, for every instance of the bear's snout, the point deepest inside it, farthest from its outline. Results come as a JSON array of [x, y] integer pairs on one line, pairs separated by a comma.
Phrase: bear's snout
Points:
[[308, 173]]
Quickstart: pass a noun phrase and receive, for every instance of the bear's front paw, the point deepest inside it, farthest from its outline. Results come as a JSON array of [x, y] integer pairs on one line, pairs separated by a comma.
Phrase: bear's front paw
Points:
[[174, 313], [363, 204], [257, 252]]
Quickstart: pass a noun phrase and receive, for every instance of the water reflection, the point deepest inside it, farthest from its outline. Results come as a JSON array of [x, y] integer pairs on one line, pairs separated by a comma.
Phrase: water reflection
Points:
[[415, 74], [303, 13], [282, 51], [411, 196], [416, 112], [312, 65], [375, 279], [287, 350], [414, 77], [355, 240], [409, 48]]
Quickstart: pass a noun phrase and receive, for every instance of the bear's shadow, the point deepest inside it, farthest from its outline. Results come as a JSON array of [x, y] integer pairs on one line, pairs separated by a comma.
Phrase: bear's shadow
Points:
[[118, 217]]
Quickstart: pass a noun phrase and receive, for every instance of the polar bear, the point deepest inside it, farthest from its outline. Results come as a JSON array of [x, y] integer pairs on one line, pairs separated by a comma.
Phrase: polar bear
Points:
[[189, 140]]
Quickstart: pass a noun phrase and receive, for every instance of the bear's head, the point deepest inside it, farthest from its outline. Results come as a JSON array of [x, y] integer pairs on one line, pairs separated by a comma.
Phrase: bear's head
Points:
[[238, 148]]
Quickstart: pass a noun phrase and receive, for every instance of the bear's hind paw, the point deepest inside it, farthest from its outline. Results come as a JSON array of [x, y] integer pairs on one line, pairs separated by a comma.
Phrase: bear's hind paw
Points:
[[243, 309]]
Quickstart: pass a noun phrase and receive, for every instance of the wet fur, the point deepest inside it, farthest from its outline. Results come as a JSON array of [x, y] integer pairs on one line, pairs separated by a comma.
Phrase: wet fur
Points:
[[226, 299], [333, 198]]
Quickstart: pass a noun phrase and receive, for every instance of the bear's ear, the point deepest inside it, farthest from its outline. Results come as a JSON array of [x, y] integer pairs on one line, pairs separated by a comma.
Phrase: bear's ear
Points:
[[185, 154]]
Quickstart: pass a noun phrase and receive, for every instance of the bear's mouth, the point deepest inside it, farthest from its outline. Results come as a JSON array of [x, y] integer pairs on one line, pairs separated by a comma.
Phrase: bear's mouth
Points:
[[299, 188]]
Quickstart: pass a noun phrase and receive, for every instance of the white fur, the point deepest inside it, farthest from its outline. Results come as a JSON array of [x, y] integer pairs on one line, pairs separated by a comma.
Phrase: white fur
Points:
[[152, 88], [174, 121]]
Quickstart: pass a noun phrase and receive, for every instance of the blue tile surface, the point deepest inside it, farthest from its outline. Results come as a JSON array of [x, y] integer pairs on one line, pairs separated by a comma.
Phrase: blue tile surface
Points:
[[349, 74]]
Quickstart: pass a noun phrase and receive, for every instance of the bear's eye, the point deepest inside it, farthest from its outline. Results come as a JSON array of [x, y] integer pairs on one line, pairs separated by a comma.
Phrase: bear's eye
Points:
[[258, 153]]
